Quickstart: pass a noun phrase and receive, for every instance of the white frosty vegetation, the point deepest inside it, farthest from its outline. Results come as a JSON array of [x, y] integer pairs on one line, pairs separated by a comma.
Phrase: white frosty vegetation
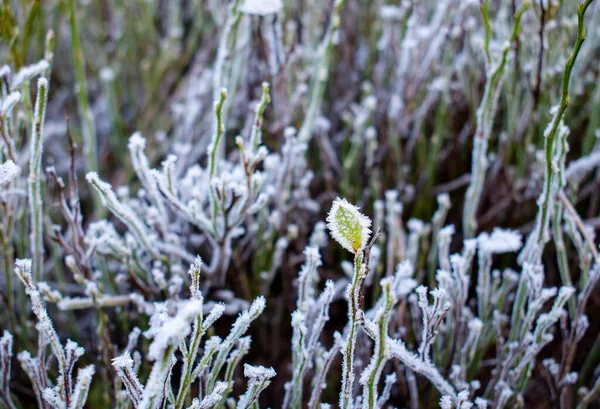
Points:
[[8, 172], [448, 319], [261, 7], [430, 319], [183, 333], [64, 394]]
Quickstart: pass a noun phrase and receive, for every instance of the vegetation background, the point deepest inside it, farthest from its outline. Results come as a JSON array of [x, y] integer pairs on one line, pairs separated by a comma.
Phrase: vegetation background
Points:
[[425, 114]]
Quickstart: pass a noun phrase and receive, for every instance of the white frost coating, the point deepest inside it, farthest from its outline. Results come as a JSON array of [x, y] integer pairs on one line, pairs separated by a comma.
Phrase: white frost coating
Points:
[[6, 353], [122, 361], [500, 241], [175, 329], [23, 271], [239, 328], [582, 165], [194, 272], [390, 381], [42, 82], [136, 141], [447, 231], [348, 226], [256, 373], [141, 165], [399, 351], [4, 71], [107, 74], [259, 378], [211, 399], [446, 402], [308, 278], [463, 400], [124, 367], [66, 356], [216, 313], [9, 102], [53, 398], [122, 211], [82, 387], [261, 7], [28, 72], [8, 172], [481, 403]]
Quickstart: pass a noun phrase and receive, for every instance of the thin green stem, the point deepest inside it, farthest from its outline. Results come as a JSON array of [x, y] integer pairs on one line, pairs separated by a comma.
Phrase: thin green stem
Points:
[[320, 74], [88, 126], [552, 131], [346, 395], [36, 207]]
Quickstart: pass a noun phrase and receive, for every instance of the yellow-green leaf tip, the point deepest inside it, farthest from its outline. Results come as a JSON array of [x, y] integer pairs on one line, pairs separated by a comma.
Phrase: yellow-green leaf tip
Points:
[[348, 226]]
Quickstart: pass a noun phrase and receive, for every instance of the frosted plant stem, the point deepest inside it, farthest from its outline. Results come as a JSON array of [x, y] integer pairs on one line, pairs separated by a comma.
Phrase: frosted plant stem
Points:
[[589, 397], [346, 396], [26, 95], [36, 208], [213, 149], [153, 396], [578, 222], [186, 377], [223, 55], [300, 356], [322, 374], [88, 126], [8, 141], [49, 52], [6, 355], [23, 271], [485, 14], [122, 211], [545, 202], [399, 351], [256, 138], [320, 74], [233, 362], [561, 253], [371, 374], [518, 309], [239, 328], [485, 120]]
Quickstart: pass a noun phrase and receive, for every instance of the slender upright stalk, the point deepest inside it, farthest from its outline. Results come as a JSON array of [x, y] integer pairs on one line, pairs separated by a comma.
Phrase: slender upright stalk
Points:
[[220, 79], [36, 207], [371, 374], [346, 395], [552, 132], [320, 74], [213, 150], [88, 126], [485, 120]]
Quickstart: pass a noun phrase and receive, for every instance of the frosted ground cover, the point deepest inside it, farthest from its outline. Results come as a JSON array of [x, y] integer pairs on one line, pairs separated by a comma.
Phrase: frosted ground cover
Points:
[[299, 204]]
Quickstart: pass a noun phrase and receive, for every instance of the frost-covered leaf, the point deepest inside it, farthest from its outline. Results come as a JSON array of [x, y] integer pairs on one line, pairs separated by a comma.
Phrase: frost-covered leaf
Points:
[[348, 226]]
